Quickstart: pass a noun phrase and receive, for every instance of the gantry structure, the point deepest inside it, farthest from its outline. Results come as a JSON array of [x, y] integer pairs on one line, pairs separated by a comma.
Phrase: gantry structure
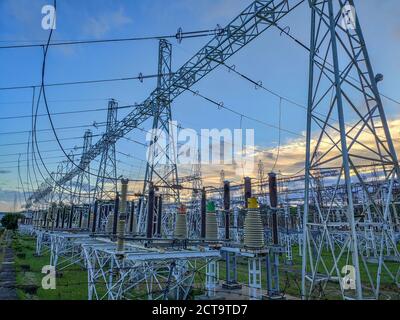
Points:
[[343, 240]]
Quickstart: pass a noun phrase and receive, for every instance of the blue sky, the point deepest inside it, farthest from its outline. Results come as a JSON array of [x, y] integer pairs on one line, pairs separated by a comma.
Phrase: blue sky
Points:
[[272, 59]]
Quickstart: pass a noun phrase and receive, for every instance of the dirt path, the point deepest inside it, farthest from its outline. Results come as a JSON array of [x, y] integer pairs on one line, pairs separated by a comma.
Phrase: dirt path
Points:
[[7, 268]]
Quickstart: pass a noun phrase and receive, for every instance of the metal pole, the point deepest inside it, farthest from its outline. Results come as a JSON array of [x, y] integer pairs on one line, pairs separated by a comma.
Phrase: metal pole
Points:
[[96, 203], [63, 217], [227, 204], [115, 221], [150, 212], [345, 152], [159, 218], [247, 191], [71, 216], [102, 212], [203, 213], [80, 217], [132, 217], [139, 208], [57, 217], [122, 215], [308, 152], [273, 196]]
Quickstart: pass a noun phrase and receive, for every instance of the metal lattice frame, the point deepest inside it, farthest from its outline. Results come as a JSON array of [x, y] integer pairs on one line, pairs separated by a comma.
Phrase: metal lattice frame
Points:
[[194, 214], [161, 166], [252, 22], [82, 192], [141, 274], [106, 183], [340, 76]]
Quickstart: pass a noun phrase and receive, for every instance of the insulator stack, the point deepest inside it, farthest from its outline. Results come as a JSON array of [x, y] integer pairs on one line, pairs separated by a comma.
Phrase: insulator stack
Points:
[[80, 219], [227, 204], [133, 220], [253, 227], [181, 225], [110, 223], [122, 215], [273, 195], [71, 216], [150, 212], [211, 223], [116, 216], [203, 213], [159, 215], [247, 190], [64, 213], [93, 217], [51, 222], [45, 219], [86, 223]]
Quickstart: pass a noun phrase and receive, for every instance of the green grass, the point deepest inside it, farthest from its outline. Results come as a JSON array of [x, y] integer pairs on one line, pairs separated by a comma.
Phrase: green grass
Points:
[[290, 276], [71, 286], [387, 286], [1, 245]]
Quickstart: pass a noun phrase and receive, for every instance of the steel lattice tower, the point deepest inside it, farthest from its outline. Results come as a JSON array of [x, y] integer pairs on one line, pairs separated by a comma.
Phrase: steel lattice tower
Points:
[[161, 169], [106, 182], [343, 90], [347, 132], [83, 187]]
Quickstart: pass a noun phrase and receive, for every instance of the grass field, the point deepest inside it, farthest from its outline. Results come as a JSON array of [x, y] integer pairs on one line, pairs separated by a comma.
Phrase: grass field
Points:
[[72, 285]]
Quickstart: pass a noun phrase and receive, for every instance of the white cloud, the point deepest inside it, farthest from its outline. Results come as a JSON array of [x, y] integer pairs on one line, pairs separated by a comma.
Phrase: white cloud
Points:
[[104, 23]]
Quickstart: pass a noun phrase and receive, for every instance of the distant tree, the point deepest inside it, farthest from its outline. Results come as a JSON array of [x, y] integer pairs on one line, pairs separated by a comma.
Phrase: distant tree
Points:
[[10, 221]]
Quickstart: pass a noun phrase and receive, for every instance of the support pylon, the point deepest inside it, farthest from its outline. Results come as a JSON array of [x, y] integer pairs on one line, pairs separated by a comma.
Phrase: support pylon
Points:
[[161, 169], [106, 183], [345, 113], [82, 192]]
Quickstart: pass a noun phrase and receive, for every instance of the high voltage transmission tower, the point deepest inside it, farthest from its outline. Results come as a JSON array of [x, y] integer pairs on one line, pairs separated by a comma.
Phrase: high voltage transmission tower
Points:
[[348, 235], [252, 22], [343, 89], [161, 169], [106, 182], [83, 192]]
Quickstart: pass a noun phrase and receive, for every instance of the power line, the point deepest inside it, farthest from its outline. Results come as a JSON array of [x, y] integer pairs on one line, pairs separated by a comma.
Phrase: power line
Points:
[[57, 100], [67, 112], [30, 153], [24, 166], [44, 141], [46, 158], [140, 77], [261, 86], [220, 105], [180, 35], [45, 130], [301, 44]]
